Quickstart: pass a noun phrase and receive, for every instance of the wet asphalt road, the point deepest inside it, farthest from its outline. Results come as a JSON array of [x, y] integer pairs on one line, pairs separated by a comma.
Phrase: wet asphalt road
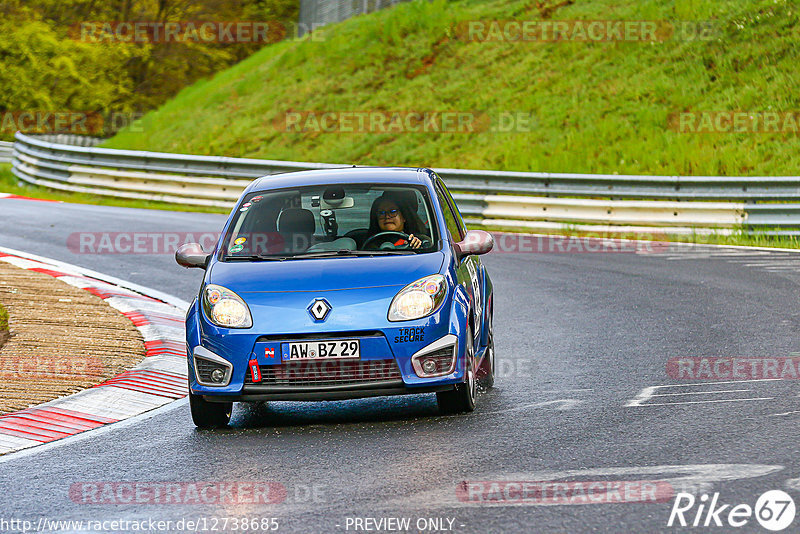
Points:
[[579, 338]]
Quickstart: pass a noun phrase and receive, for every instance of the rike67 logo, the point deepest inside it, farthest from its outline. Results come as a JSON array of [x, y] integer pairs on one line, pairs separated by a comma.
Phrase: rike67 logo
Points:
[[774, 510]]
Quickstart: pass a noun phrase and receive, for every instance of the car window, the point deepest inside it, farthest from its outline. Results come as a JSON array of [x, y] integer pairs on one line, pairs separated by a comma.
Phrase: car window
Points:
[[449, 218], [325, 218], [459, 219]]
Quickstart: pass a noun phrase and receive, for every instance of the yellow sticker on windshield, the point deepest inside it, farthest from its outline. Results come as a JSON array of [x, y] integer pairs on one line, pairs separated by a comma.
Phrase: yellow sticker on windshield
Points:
[[239, 240]]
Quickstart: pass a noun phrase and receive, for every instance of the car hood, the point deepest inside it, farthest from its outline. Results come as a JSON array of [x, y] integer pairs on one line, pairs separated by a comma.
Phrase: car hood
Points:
[[324, 274]]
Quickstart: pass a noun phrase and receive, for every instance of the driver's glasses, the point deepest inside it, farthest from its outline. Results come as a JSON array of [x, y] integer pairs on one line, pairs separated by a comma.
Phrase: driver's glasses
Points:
[[386, 214]]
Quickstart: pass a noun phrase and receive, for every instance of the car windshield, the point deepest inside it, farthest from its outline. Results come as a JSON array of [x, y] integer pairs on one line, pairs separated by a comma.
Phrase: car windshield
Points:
[[331, 221]]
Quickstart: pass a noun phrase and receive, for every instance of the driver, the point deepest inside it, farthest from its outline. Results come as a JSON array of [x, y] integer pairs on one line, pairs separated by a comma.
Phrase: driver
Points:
[[390, 214]]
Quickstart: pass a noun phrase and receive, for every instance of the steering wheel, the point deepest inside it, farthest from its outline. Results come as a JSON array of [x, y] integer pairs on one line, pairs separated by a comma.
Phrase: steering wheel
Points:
[[382, 238]]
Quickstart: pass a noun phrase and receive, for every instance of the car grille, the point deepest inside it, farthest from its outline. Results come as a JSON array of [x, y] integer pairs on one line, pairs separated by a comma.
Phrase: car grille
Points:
[[328, 373]]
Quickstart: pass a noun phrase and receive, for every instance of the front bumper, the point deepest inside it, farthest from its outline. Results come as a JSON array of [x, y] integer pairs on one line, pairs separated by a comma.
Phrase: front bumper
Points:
[[256, 393], [387, 365]]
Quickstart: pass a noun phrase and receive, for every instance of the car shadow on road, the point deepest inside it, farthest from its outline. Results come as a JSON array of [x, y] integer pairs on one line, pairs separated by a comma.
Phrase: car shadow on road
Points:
[[299, 414]]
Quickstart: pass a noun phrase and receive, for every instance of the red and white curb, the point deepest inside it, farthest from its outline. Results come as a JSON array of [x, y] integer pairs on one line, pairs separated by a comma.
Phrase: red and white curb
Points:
[[18, 197], [159, 379]]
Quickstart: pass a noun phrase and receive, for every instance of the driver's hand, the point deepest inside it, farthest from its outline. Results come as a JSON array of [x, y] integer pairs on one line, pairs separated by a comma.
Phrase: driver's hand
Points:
[[414, 242]]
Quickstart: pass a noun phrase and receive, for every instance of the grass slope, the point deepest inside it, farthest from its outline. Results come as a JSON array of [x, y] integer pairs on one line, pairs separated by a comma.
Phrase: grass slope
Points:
[[599, 106]]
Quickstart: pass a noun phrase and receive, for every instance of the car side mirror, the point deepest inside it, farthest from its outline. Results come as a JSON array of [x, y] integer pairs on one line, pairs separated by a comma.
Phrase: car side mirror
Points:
[[192, 255], [475, 242]]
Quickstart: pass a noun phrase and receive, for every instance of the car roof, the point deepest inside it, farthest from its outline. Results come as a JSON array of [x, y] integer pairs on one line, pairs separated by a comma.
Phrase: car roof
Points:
[[351, 175]]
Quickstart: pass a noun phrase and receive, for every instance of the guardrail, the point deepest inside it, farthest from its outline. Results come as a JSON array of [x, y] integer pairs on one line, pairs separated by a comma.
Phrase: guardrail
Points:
[[315, 13], [534, 201], [70, 139], [6, 149]]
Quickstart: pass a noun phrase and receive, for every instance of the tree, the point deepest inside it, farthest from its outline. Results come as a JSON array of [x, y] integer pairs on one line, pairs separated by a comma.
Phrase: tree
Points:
[[48, 64]]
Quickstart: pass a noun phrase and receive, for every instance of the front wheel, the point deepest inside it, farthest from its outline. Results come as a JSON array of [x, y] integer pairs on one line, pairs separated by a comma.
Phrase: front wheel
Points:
[[462, 398], [487, 368], [209, 414]]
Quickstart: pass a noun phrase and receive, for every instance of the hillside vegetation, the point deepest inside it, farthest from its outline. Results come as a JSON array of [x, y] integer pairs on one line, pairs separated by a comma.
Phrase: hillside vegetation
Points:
[[603, 107], [54, 63]]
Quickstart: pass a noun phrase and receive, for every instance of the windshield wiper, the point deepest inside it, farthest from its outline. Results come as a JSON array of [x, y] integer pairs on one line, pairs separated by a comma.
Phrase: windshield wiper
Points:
[[348, 252], [388, 252], [257, 257], [320, 254]]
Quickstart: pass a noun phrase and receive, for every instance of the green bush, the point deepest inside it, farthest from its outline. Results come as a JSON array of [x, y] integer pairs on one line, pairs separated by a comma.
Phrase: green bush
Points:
[[48, 66]]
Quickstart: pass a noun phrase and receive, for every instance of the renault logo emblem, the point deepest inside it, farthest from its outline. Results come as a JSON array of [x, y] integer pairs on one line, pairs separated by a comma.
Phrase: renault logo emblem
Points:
[[319, 309]]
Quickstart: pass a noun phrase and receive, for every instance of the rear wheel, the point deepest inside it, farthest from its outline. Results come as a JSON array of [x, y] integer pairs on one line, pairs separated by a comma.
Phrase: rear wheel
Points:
[[209, 414], [486, 371], [462, 398]]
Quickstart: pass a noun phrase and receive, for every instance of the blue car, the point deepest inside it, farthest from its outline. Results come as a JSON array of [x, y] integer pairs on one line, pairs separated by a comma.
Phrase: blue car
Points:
[[340, 284]]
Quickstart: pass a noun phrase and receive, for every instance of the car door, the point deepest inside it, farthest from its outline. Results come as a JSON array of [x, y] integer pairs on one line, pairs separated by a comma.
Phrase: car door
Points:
[[469, 268]]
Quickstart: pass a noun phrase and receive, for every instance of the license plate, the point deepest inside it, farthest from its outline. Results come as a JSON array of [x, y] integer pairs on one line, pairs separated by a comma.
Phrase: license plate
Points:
[[321, 350]]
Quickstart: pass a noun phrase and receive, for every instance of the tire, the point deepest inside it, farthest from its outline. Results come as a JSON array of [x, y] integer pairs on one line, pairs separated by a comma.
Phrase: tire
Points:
[[209, 414], [486, 370], [462, 398]]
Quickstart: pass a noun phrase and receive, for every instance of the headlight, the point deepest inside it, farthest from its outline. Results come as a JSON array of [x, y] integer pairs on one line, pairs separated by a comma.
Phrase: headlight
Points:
[[225, 308], [419, 299]]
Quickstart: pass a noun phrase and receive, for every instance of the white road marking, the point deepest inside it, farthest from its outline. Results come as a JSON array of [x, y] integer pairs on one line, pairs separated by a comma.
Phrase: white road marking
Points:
[[564, 390], [745, 253], [794, 263], [9, 443], [644, 395], [566, 404], [704, 401], [793, 484], [784, 413], [650, 392], [767, 259], [681, 258], [164, 362], [718, 382], [125, 305], [112, 402], [83, 283], [154, 332], [746, 257], [23, 263], [700, 392]]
